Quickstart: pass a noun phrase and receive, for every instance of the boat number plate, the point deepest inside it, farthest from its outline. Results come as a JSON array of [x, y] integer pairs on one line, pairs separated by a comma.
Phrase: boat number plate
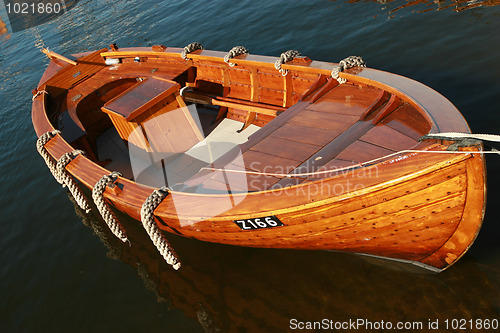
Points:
[[259, 223]]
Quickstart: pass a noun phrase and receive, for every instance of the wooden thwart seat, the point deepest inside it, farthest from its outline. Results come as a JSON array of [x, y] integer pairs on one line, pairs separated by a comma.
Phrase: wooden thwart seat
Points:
[[137, 114]]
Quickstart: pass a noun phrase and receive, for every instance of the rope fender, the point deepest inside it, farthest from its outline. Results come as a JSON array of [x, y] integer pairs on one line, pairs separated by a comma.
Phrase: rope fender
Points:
[[284, 58], [349, 62], [107, 214], [40, 147], [234, 52], [158, 239], [67, 180], [190, 48]]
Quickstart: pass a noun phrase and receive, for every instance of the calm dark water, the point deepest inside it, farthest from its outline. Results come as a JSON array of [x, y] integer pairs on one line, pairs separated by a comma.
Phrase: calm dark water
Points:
[[61, 271]]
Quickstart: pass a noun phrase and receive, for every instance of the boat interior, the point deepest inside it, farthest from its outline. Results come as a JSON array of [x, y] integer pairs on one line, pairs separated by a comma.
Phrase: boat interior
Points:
[[171, 123]]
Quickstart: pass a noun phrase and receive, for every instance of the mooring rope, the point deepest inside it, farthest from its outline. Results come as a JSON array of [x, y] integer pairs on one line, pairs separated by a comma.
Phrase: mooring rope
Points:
[[349, 62], [106, 213], [234, 52], [190, 48], [158, 239], [284, 58], [455, 136], [40, 147], [67, 180], [38, 93]]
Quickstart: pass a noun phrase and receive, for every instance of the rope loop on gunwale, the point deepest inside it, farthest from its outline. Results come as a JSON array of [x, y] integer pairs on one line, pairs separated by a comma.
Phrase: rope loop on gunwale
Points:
[[191, 48], [234, 52], [40, 147], [67, 180], [349, 62], [106, 213], [284, 58], [158, 239]]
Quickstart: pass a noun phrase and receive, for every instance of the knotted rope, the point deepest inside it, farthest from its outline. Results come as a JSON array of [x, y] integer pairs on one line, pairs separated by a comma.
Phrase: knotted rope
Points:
[[234, 52], [284, 58], [349, 62], [106, 213], [40, 147], [67, 180], [158, 239], [190, 48]]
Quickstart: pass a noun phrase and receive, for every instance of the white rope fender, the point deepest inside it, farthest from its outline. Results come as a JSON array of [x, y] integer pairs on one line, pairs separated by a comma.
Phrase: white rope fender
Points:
[[158, 239], [40, 147], [67, 180], [107, 214]]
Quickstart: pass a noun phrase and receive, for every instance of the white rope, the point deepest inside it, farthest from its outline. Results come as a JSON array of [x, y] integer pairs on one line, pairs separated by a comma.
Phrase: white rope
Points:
[[38, 93], [158, 239], [453, 136], [106, 213]]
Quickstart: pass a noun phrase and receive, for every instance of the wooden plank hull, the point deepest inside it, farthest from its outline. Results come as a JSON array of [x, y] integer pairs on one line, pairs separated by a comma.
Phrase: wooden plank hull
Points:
[[424, 206]]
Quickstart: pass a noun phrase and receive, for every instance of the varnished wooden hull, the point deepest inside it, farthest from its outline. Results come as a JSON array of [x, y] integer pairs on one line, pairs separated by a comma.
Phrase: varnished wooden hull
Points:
[[421, 207]]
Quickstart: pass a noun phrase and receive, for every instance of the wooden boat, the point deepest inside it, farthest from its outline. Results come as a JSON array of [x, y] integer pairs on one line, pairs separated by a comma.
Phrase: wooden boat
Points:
[[284, 156]]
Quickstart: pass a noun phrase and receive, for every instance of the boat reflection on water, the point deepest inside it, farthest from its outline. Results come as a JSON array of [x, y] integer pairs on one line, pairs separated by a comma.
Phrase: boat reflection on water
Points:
[[231, 289]]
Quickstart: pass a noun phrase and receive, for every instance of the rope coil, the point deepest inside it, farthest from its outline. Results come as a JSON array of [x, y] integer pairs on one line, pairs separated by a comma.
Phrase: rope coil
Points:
[[67, 180], [107, 214], [349, 62], [190, 48], [158, 239], [234, 52], [284, 58]]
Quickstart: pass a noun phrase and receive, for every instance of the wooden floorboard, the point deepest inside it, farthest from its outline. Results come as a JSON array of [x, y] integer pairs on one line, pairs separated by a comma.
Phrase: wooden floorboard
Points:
[[408, 121], [387, 137], [323, 120], [292, 150], [361, 151], [346, 99], [304, 134]]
